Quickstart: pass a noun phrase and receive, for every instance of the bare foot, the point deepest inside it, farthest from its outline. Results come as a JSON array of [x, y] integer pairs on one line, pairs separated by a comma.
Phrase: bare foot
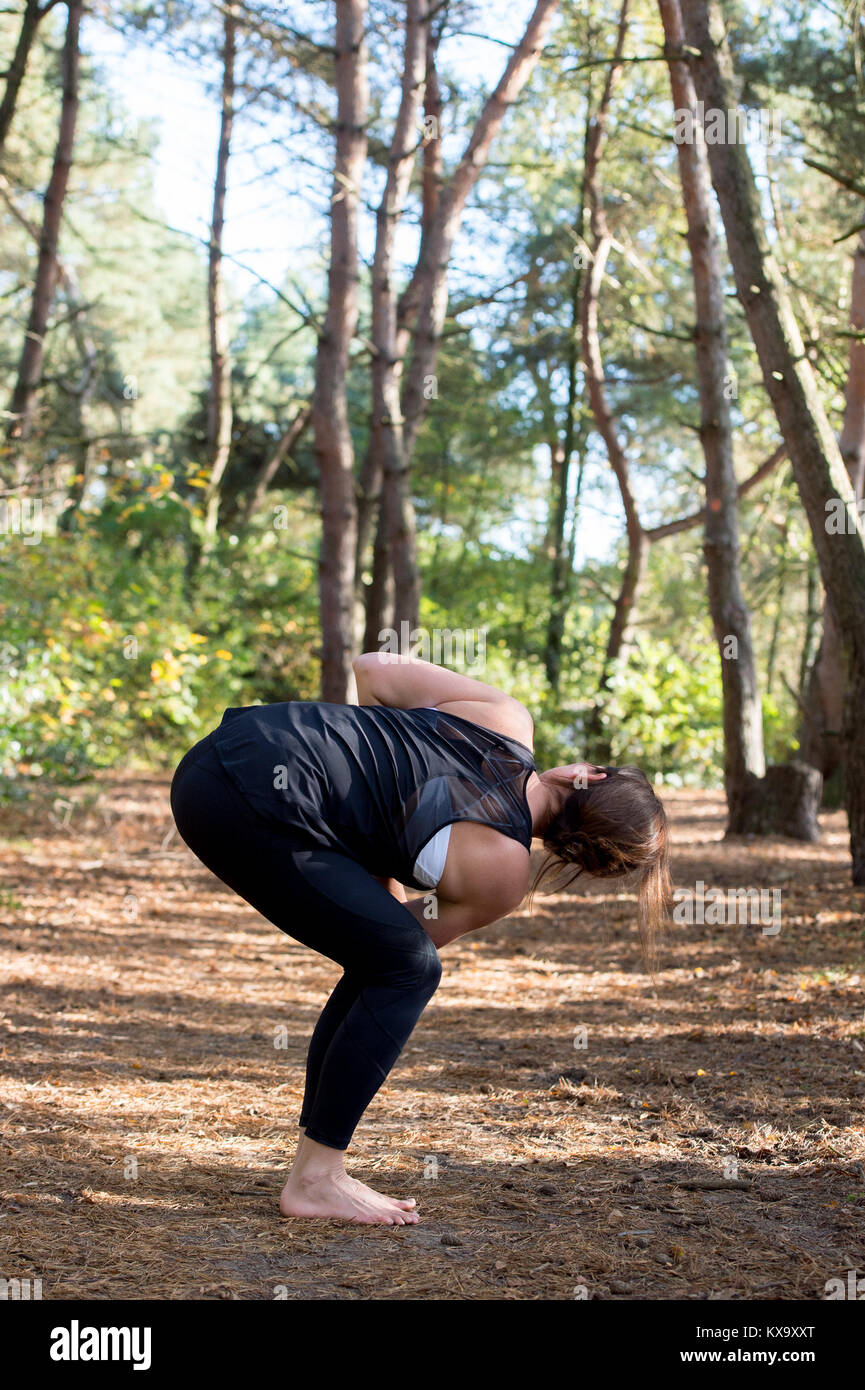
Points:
[[403, 1203], [338, 1196]]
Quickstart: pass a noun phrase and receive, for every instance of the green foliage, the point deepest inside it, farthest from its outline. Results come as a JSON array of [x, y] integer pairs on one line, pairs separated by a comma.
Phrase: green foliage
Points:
[[117, 644], [663, 709], [108, 656]]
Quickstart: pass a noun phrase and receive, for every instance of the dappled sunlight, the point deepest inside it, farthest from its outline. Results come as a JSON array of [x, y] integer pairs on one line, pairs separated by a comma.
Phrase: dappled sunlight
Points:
[[552, 1099]]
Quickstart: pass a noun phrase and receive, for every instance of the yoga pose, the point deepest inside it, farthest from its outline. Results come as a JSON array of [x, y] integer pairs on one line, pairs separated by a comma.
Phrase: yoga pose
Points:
[[318, 814]]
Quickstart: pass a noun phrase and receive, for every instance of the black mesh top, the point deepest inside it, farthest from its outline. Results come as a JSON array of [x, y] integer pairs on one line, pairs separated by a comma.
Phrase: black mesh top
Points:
[[372, 782]]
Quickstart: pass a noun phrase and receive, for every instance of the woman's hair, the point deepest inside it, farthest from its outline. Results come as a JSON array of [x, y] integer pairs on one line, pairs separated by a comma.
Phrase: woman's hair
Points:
[[609, 829]]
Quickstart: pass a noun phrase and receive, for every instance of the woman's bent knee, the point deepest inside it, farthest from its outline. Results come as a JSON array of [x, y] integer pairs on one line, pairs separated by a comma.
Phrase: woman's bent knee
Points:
[[417, 970], [429, 967]]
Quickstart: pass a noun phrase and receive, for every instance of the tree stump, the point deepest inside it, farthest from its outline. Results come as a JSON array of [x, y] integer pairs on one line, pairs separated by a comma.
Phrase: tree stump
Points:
[[784, 802]]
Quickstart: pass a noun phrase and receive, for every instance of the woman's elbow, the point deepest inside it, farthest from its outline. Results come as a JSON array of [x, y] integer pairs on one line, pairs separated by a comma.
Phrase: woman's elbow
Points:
[[368, 678]]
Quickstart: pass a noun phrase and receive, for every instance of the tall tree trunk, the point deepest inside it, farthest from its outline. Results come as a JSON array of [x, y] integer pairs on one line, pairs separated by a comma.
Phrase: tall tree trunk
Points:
[[219, 411], [333, 443], [743, 715], [385, 452], [819, 737], [813, 617], [88, 353], [561, 558], [379, 610], [780, 607], [379, 596], [818, 466], [30, 19], [80, 393], [562, 541], [548, 544], [432, 181], [430, 288], [852, 441], [24, 397], [620, 637]]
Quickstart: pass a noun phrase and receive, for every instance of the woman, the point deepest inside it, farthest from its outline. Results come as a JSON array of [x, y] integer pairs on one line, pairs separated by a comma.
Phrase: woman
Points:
[[317, 814]]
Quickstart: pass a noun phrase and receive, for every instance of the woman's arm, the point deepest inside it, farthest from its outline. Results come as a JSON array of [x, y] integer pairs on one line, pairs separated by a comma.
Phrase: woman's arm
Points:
[[453, 920], [406, 682], [477, 895]]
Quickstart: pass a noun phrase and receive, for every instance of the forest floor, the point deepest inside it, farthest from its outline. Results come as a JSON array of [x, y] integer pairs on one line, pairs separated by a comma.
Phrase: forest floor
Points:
[[569, 1129]]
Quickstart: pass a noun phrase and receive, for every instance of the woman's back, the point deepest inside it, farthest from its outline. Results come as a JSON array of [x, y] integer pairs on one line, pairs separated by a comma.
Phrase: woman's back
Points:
[[378, 783]]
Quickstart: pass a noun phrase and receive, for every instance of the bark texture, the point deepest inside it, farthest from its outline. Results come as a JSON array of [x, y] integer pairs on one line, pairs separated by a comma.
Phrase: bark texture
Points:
[[620, 636], [743, 714], [558, 545], [22, 406], [820, 735], [385, 458], [784, 802], [30, 19], [818, 467], [334, 449], [219, 409]]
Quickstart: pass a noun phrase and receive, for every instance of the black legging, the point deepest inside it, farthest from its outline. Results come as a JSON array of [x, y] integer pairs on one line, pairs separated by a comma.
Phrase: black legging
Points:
[[332, 904]]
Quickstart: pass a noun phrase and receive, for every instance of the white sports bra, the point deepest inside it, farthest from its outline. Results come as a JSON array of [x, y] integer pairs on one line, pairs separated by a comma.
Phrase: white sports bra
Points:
[[430, 863]]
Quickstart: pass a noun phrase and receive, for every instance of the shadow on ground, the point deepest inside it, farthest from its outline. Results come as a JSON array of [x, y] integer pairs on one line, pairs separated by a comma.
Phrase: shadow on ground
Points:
[[570, 1128]]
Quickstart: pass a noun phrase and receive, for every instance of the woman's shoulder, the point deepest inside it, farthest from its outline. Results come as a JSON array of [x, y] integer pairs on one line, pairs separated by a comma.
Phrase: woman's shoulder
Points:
[[504, 715]]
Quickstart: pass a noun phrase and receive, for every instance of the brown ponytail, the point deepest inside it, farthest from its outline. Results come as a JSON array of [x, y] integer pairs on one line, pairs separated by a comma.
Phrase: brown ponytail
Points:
[[610, 829]]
